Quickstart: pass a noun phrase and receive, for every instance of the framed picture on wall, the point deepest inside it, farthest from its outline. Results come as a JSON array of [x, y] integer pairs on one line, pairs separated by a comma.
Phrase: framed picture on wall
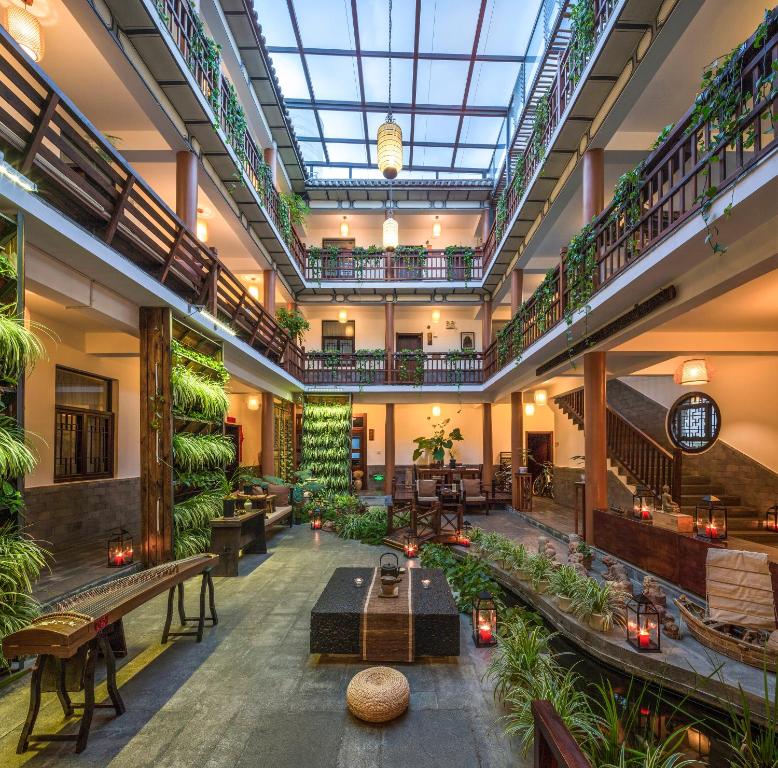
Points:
[[467, 340]]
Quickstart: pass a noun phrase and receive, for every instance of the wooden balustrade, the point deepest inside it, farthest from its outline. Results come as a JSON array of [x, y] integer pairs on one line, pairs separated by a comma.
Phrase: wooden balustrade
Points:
[[554, 745], [405, 369], [346, 265], [649, 463], [672, 182], [80, 173]]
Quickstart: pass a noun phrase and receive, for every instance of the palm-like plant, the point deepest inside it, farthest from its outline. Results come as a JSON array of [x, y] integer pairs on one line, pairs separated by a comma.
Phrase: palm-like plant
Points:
[[565, 580], [197, 396], [539, 568], [194, 452], [20, 346], [16, 458]]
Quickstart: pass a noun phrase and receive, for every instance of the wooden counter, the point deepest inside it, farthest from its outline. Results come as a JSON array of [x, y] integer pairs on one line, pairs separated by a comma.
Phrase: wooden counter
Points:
[[231, 535]]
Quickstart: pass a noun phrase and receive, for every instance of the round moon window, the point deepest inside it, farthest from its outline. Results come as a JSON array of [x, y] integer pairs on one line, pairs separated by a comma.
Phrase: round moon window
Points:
[[693, 422]]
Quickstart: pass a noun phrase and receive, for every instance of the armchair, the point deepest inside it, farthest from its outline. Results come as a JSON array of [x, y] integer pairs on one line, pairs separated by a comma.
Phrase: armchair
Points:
[[475, 495]]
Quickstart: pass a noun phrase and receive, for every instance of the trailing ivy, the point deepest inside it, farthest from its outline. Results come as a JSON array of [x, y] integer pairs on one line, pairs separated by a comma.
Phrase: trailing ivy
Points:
[[580, 269], [582, 37], [365, 259], [539, 126], [366, 367], [457, 371], [183, 352], [545, 296], [235, 122], [292, 211], [321, 260], [412, 258], [410, 369], [293, 322], [626, 208], [468, 255]]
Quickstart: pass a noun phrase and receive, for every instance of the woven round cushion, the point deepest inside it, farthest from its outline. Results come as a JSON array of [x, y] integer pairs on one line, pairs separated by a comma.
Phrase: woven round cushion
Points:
[[378, 694]]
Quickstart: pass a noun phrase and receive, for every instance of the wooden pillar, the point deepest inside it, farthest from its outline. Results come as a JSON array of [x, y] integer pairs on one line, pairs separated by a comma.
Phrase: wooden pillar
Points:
[[268, 461], [389, 449], [487, 220], [186, 188], [271, 159], [517, 443], [593, 183], [517, 286], [488, 451], [269, 291], [389, 339], [486, 324], [595, 448], [156, 436]]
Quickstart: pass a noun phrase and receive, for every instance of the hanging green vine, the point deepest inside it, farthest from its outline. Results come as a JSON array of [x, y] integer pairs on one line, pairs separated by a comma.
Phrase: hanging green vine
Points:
[[626, 208], [545, 296], [468, 256], [580, 269], [234, 122], [500, 216], [457, 371], [539, 126], [365, 259], [412, 258], [321, 260], [582, 37], [410, 369], [366, 361]]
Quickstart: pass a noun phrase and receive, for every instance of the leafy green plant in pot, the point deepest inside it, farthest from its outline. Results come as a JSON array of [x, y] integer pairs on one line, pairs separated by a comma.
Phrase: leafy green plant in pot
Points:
[[539, 569], [596, 604], [564, 582], [293, 322], [437, 445]]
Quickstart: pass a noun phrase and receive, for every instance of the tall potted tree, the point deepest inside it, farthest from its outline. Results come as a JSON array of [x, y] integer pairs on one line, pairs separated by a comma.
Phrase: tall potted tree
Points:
[[436, 446]]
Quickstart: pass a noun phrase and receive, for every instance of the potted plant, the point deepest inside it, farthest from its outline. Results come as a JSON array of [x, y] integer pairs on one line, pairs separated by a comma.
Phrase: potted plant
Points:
[[595, 603], [564, 581], [357, 474], [437, 445], [539, 570], [293, 322], [588, 554], [452, 462]]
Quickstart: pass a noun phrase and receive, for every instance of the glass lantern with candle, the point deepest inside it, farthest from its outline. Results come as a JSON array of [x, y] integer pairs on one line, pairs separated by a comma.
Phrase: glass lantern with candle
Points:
[[462, 535], [411, 545], [317, 520], [643, 503], [771, 518], [484, 620], [120, 549], [710, 519], [643, 627]]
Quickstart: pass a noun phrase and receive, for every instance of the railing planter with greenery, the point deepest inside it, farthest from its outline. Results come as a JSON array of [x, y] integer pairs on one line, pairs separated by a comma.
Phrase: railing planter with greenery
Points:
[[409, 367], [293, 322], [459, 262], [410, 261]]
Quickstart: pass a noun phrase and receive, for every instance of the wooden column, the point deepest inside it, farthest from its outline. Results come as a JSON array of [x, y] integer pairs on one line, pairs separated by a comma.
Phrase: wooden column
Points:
[[389, 449], [517, 443], [517, 286], [595, 448], [486, 324], [593, 183], [268, 462], [186, 188], [488, 451], [389, 339], [271, 158], [156, 436], [269, 291]]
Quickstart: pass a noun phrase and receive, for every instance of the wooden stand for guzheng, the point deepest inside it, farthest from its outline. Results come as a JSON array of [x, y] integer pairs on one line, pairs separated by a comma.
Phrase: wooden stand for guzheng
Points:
[[69, 639]]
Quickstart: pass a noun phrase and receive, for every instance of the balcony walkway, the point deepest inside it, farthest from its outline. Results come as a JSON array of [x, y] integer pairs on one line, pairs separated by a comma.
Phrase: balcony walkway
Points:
[[250, 694]]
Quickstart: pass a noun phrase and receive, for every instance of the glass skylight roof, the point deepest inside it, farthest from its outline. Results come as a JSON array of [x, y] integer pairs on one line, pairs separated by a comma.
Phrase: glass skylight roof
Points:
[[452, 105]]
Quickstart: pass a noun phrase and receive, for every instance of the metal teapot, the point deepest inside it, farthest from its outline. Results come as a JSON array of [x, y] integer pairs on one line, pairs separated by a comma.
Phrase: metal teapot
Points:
[[389, 568]]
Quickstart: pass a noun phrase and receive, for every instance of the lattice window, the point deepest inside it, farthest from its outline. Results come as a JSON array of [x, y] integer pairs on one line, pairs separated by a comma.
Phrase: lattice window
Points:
[[694, 422]]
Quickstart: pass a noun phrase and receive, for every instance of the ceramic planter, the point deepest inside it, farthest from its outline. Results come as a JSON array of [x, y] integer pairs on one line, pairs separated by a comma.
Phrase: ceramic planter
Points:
[[542, 587], [597, 622], [565, 603]]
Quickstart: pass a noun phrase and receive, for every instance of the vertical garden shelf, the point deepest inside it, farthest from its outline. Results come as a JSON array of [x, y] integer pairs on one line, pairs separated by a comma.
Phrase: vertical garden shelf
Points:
[[326, 443]]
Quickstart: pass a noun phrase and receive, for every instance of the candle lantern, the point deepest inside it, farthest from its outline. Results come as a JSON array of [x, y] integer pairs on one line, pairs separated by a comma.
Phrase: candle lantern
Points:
[[771, 518], [710, 519], [643, 627], [120, 549], [462, 535], [484, 620], [390, 565], [411, 545], [317, 520], [643, 503]]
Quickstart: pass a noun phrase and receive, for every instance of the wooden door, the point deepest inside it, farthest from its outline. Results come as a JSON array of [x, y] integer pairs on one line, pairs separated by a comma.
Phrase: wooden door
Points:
[[540, 446], [405, 369]]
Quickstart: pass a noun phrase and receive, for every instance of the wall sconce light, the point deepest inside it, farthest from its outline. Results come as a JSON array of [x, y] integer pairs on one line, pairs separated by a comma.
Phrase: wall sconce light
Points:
[[540, 396], [693, 373], [436, 229], [435, 315], [436, 411], [342, 316], [202, 231], [254, 292], [252, 403], [26, 30], [529, 409], [344, 228]]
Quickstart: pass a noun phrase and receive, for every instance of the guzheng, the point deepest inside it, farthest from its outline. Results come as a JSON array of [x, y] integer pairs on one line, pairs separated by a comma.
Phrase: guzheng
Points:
[[69, 624]]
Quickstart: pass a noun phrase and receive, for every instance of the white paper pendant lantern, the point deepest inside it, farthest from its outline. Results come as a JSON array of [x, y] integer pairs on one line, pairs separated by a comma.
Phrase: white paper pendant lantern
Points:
[[390, 149], [26, 30], [391, 232]]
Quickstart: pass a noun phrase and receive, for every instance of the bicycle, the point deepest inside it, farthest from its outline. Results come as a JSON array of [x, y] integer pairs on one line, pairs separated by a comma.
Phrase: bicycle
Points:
[[543, 484]]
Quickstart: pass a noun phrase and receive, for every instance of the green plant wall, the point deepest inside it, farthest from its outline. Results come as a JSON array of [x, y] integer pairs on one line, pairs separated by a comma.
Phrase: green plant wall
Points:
[[327, 444]]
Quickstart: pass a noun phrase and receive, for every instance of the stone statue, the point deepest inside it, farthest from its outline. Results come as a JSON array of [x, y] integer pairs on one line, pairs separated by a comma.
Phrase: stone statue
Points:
[[617, 575], [576, 560], [572, 544], [670, 627], [546, 548], [653, 591], [668, 505]]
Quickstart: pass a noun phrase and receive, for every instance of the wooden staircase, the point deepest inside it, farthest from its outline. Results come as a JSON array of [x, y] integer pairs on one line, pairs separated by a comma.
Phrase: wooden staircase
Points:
[[640, 460]]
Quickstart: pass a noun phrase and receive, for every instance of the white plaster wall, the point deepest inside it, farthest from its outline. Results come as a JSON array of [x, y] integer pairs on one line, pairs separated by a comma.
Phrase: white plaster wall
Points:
[[251, 423], [69, 350]]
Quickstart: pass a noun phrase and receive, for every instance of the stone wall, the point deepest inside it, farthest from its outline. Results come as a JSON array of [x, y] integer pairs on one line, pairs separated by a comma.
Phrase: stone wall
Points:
[[68, 514], [641, 411], [564, 488]]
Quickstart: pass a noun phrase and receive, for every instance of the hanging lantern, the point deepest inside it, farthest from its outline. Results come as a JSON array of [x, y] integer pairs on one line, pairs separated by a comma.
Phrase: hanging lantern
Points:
[[436, 229], [391, 232], [529, 409], [540, 396], [436, 411], [643, 630], [710, 519], [411, 545], [26, 30], [484, 620], [643, 503], [252, 403], [390, 148], [317, 520], [120, 549], [202, 231], [342, 317], [435, 315], [693, 373], [344, 228], [254, 292]]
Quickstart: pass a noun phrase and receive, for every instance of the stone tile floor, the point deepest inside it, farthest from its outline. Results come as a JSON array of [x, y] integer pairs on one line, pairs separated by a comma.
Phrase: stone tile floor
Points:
[[251, 696]]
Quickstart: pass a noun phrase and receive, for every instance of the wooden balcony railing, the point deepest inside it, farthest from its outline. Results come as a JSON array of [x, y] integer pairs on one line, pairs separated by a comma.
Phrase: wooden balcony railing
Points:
[[672, 182], [404, 369], [365, 265], [554, 745], [78, 172], [187, 32], [652, 465]]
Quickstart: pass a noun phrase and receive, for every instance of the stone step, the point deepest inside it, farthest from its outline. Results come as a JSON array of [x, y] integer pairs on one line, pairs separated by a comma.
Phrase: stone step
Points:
[[733, 512], [696, 480], [702, 489], [691, 499]]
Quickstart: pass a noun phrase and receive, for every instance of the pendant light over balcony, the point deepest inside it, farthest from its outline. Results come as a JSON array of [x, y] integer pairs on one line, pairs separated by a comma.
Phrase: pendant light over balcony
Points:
[[390, 136], [344, 227], [26, 30], [391, 231], [436, 228]]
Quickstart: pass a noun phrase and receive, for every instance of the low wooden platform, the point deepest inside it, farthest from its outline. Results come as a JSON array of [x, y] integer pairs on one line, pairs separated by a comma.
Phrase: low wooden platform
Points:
[[428, 619]]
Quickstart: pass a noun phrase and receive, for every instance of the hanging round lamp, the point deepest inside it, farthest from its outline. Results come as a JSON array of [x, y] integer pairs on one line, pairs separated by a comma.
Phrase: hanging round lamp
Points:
[[436, 228], [391, 231], [344, 228], [693, 373], [389, 150], [26, 30]]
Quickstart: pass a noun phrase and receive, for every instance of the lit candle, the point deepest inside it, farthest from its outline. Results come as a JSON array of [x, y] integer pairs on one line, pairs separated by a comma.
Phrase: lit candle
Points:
[[118, 557], [425, 583], [711, 531], [358, 581], [485, 633], [645, 514], [316, 523], [644, 639]]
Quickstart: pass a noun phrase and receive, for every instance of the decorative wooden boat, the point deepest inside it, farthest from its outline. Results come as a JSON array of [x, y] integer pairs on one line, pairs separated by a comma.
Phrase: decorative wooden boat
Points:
[[740, 618]]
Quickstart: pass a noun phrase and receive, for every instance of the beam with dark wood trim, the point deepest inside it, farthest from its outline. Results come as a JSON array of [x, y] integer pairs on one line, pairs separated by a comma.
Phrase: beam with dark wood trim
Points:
[[40, 131], [118, 209]]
